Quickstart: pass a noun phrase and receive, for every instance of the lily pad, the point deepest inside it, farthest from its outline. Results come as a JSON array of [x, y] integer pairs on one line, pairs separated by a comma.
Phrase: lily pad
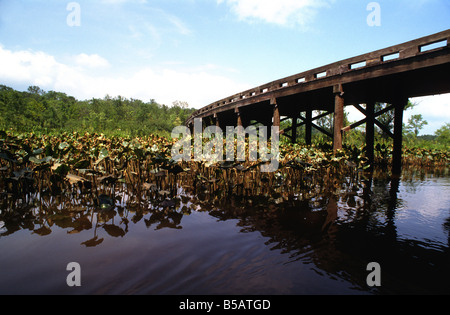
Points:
[[93, 242], [43, 231], [37, 161], [113, 230], [103, 154], [62, 146]]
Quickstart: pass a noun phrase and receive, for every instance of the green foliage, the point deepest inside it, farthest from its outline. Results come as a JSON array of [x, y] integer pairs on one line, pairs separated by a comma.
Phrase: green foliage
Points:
[[41, 161], [53, 112], [416, 123], [443, 135]]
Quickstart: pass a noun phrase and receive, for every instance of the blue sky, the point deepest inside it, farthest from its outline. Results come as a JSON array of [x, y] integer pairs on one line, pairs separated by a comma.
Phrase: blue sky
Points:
[[199, 51]]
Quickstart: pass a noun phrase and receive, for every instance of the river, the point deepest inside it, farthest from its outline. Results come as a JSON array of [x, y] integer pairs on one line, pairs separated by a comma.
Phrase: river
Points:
[[204, 244]]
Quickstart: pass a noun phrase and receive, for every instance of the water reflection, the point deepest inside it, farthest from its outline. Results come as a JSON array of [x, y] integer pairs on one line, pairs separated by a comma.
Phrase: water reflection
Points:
[[335, 224]]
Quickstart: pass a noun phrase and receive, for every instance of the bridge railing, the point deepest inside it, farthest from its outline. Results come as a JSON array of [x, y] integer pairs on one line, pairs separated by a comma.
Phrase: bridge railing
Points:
[[406, 50]]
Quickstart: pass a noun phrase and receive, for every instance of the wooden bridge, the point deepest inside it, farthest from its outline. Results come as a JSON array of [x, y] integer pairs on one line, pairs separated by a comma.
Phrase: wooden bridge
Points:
[[392, 75]]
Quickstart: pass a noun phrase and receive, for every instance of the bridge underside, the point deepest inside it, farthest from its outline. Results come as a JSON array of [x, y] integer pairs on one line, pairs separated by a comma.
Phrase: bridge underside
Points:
[[412, 74]]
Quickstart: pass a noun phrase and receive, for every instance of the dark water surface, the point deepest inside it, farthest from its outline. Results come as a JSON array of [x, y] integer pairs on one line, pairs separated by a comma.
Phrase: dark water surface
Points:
[[318, 244]]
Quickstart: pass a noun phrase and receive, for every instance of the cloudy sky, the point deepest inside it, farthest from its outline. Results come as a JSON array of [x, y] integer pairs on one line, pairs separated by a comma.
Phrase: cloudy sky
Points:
[[199, 51]]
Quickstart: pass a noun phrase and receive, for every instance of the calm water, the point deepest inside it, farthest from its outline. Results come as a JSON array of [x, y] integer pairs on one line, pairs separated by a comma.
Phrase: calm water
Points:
[[238, 245]]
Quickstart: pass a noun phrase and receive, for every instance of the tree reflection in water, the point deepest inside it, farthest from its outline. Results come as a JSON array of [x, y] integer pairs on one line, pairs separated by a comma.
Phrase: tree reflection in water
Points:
[[333, 221]]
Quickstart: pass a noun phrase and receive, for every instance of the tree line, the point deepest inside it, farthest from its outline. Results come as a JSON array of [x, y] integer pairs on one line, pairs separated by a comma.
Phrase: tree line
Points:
[[52, 112]]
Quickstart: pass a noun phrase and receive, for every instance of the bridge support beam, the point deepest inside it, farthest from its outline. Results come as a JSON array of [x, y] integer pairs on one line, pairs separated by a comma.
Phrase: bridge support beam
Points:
[[399, 106], [338, 116], [276, 113], [370, 132], [308, 127], [239, 118], [216, 118], [294, 128]]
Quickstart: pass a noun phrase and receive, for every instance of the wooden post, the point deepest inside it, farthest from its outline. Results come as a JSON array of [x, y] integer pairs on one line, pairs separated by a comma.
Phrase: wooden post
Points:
[[276, 113], [217, 120], [370, 132], [399, 106], [294, 128], [338, 116], [308, 127], [239, 118]]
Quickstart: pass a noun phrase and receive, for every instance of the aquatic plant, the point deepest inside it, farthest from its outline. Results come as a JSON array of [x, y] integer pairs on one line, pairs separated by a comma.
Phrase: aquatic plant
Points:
[[73, 164]]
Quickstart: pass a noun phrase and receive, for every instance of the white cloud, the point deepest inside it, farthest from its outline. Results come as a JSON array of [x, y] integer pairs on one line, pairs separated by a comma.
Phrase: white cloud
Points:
[[91, 61], [433, 106], [35, 67], [434, 109], [198, 87], [280, 12]]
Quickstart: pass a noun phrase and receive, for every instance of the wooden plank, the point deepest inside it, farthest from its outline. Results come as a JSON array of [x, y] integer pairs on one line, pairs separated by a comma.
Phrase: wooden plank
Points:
[[354, 125]]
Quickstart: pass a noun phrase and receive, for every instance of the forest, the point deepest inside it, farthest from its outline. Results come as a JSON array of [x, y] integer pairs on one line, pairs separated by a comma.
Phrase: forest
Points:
[[53, 112]]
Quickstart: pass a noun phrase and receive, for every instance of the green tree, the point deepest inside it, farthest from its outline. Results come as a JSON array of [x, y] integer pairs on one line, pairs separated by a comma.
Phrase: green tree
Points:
[[443, 134], [177, 122], [416, 123], [35, 90]]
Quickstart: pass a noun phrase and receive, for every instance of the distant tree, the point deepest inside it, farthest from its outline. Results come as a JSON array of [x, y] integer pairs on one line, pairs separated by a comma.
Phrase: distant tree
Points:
[[183, 105], [177, 122], [35, 90], [443, 134], [416, 123]]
